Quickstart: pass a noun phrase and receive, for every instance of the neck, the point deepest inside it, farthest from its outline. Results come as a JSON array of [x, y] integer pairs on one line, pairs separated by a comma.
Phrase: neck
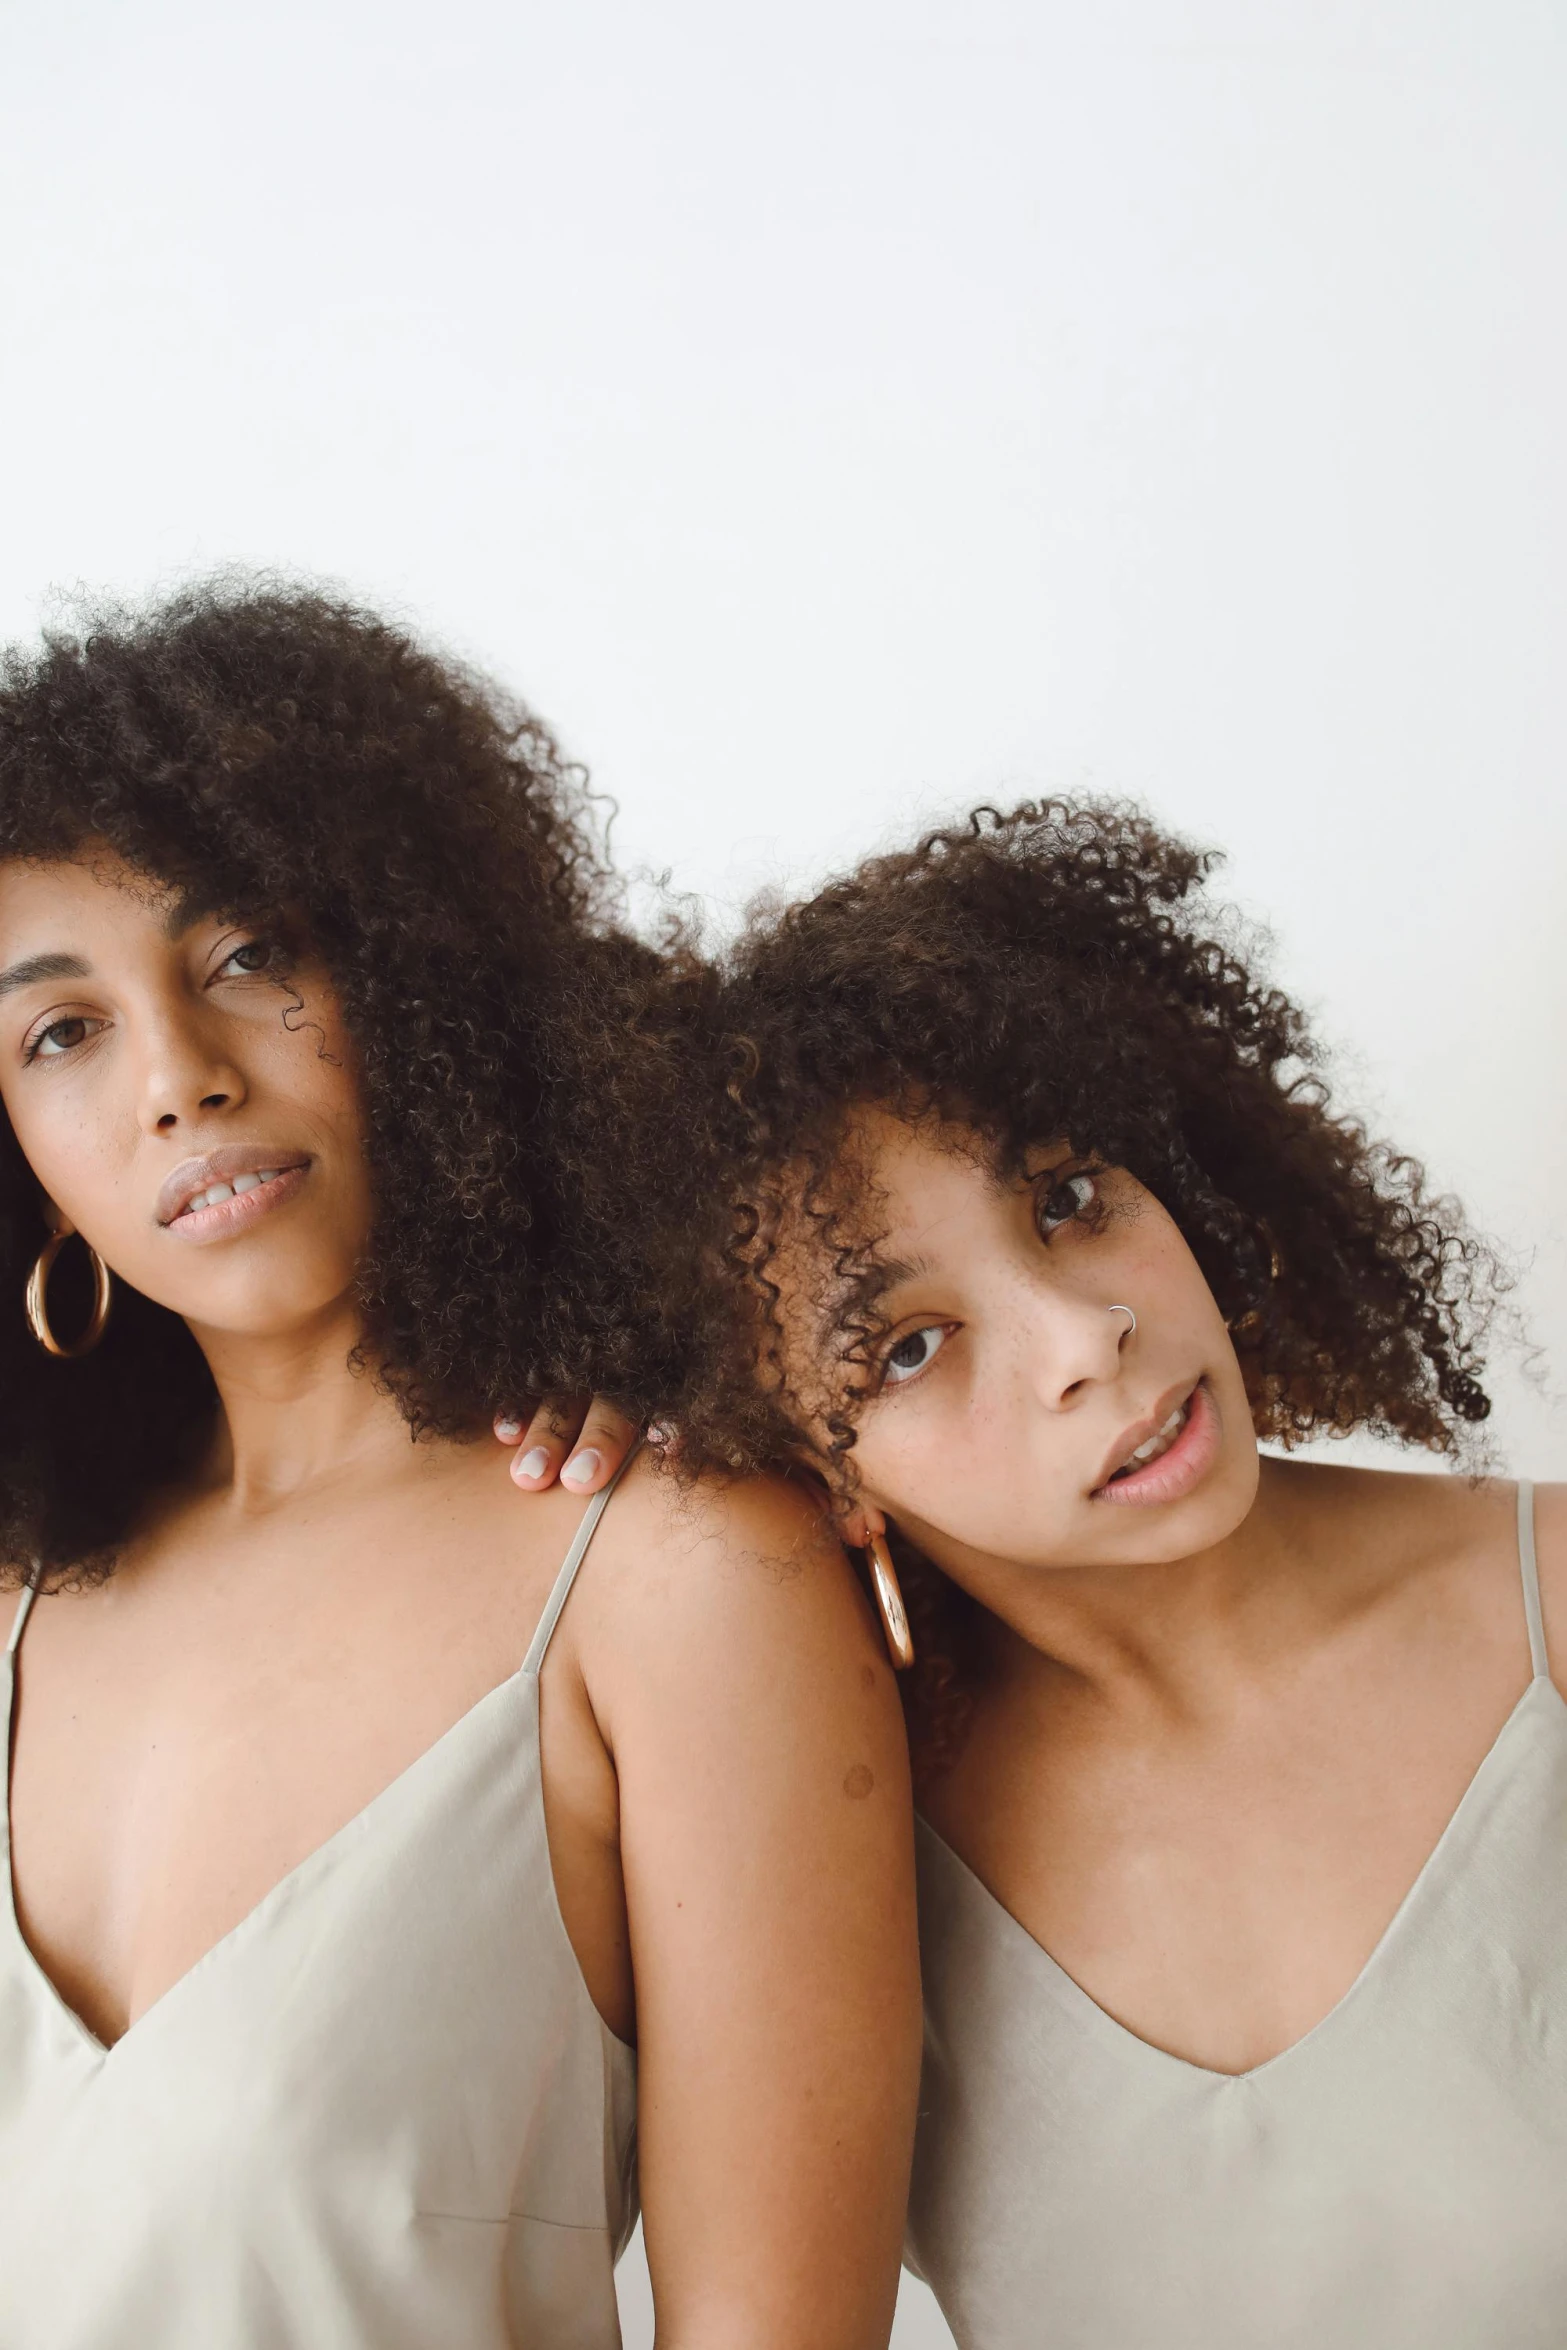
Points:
[[293, 1416], [1174, 1633]]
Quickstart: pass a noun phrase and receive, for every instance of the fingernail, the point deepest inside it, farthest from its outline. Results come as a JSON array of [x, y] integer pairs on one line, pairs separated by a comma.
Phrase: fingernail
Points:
[[508, 1431], [532, 1464], [580, 1467]]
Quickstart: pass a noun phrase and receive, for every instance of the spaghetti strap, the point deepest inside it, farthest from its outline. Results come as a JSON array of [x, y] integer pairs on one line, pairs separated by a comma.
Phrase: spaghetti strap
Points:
[[539, 1645], [1531, 1582], [29, 1594]]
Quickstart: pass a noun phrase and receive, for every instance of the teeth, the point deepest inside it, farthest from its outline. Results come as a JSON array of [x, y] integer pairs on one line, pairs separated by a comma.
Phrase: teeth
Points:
[[1159, 1442], [216, 1193], [1145, 1452]]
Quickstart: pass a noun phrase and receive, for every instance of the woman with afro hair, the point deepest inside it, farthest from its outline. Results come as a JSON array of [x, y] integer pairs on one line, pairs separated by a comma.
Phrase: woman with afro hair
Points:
[[1242, 1780], [350, 1842]]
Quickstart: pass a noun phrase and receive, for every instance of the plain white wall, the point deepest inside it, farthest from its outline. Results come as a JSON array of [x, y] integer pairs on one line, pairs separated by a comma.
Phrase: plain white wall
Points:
[[833, 415]]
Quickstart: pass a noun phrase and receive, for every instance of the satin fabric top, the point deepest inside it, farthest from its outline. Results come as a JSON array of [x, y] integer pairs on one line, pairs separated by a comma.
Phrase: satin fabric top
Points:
[[382, 2113], [1396, 2180]]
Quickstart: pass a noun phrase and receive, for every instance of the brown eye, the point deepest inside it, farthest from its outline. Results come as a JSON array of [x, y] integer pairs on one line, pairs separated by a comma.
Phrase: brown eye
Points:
[[911, 1355], [61, 1036], [1064, 1200], [257, 954]]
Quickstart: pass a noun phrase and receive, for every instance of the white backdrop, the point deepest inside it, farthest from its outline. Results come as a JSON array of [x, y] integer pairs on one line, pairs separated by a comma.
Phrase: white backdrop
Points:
[[832, 415]]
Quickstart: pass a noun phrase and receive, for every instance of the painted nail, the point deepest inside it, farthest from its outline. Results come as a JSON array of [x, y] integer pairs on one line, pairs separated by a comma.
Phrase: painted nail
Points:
[[532, 1464], [580, 1467], [508, 1430]]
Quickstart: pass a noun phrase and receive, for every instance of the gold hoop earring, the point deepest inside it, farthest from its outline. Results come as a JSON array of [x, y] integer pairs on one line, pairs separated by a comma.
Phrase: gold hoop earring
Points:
[[38, 1300], [1244, 1325], [889, 1603]]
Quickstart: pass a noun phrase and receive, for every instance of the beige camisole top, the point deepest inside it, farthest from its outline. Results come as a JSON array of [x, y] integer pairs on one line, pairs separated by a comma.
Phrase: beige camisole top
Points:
[[1397, 2180], [382, 2114]]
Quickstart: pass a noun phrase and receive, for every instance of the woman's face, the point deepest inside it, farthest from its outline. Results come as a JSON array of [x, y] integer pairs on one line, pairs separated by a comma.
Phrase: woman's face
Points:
[[1010, 1399], [185, 1094]]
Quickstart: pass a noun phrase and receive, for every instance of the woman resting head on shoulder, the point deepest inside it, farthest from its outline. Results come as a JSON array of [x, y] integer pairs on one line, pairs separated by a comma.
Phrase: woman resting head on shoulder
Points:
[[1243, 1895], [346, 1858]]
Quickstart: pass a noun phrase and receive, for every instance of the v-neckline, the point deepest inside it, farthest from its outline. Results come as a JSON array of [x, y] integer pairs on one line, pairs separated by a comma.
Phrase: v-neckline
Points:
[[1100, 2019], [103, 2051]]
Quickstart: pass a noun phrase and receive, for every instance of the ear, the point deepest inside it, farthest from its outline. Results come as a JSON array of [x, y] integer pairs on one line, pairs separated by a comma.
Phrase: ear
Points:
[[57, 1220], [860, 1523], [854, 1523]]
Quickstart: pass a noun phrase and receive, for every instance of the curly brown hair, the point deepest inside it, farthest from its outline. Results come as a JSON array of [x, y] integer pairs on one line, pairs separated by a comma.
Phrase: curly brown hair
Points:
[[1055, 974], [265, 750]]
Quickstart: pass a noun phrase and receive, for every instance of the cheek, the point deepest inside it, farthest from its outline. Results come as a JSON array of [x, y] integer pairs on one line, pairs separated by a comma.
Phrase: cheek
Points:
[[935, 1454], [311, 1065], [984, 1492], [76, 1159], [1161, 1272]]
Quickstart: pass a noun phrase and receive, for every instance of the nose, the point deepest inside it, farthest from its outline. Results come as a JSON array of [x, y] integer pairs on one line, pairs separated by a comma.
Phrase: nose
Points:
[[1077, 1343], [185, 1077]]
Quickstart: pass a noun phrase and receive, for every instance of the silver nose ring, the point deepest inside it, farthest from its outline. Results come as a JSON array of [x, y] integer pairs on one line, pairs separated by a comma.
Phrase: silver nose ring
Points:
[[1127, 1311]]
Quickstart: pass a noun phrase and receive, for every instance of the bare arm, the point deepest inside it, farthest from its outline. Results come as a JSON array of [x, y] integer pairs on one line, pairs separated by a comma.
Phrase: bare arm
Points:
[[766, 1838], [1550, 1538]]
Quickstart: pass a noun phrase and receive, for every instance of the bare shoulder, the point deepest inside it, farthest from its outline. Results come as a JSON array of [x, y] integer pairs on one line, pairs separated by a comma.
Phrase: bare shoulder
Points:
[[743, 1550], [656, 1513], [1421, 1516], [739, 1580], [765, 1835], [1442, 1547], [1438, 1540], [1550, 1528], [1550, 1546]]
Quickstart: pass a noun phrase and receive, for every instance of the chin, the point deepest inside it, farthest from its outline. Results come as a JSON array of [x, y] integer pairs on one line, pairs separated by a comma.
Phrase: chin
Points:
[[264, 1310], [1186, 1527], [1221, 1503], [1197, 1520]]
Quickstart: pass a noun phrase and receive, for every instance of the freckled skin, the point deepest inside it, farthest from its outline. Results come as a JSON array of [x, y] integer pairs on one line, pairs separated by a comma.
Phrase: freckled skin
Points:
[[290, 1584], [1181, 1773]]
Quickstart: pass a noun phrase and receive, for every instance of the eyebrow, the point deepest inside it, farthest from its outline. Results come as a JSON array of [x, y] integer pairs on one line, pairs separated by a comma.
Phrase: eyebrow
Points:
[[183, 915], [896, 1272], [32, 968]]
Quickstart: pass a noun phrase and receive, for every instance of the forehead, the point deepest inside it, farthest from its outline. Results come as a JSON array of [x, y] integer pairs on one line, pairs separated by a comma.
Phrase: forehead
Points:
[[912, 1174], [898, 1197], [93, 896]]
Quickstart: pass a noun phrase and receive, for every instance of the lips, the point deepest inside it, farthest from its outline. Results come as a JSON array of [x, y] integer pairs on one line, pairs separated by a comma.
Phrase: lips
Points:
[[233, 1173], [1159, 1429], [1168, 1458], [1155, 1445]]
